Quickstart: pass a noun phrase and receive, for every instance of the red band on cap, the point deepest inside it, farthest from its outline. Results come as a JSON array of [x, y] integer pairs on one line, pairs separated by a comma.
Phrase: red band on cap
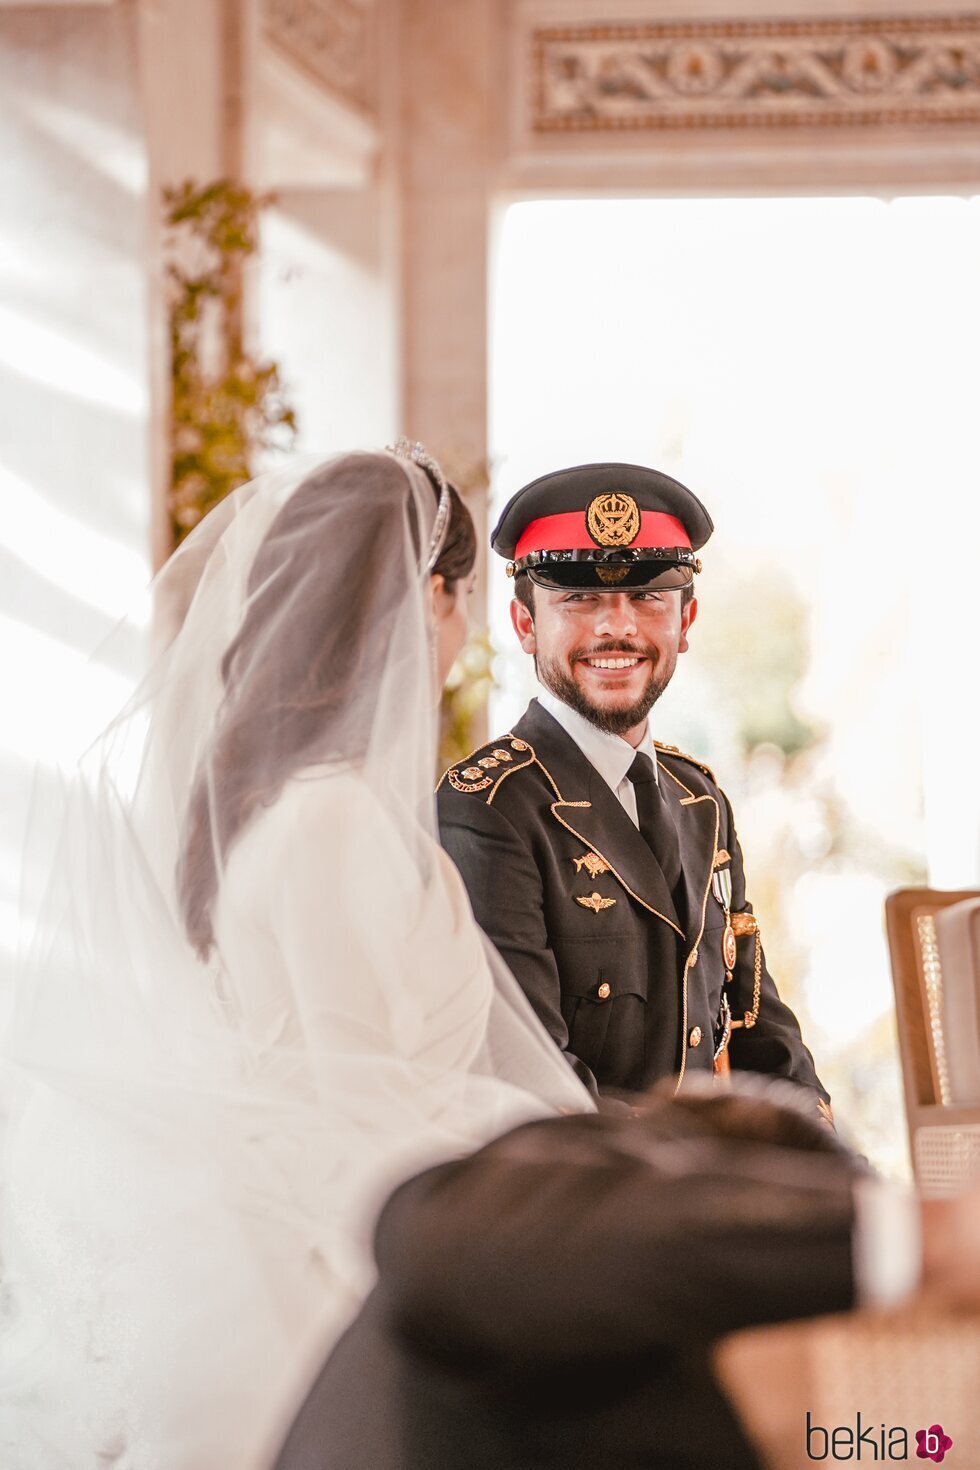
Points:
[[569, 532]]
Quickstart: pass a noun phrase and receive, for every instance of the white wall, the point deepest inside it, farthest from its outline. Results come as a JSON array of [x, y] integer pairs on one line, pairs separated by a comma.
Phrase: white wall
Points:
[[74, 498], [328, 313]]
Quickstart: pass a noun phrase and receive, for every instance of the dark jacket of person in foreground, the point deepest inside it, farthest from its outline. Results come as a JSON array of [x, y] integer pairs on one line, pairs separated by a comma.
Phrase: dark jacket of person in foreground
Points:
[[553, 1300]]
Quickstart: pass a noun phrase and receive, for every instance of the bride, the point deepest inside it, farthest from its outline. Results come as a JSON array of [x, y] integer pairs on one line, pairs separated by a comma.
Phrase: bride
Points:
[[258, 998]]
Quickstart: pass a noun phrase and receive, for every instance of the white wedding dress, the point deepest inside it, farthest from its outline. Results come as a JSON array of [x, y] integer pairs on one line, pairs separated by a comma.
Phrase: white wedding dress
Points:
[[198, 1150]]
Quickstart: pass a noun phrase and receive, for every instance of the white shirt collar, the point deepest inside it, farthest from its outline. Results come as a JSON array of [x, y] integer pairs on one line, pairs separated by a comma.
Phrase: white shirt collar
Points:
[[611, 755]]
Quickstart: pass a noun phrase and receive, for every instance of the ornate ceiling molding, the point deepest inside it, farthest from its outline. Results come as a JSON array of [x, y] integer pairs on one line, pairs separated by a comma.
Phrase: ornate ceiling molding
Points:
[[331, 40], [755, 74]]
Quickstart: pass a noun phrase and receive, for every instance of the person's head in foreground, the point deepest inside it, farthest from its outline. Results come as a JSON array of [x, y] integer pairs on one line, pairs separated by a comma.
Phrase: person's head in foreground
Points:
[[554, 1299]]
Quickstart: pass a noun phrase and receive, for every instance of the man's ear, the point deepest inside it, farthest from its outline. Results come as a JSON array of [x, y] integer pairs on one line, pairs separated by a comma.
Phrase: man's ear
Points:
[[523, 625], [688, 614]]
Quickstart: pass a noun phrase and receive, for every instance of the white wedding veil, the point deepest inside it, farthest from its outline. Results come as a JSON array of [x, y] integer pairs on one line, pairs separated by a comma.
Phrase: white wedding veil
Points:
[[256, 998]]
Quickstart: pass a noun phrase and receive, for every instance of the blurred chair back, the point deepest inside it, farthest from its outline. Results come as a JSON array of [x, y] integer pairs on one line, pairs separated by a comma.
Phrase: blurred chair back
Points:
[[932, 962]]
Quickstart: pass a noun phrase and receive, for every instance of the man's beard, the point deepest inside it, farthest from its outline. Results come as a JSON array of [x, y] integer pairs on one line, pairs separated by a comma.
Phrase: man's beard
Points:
[[615, 720]]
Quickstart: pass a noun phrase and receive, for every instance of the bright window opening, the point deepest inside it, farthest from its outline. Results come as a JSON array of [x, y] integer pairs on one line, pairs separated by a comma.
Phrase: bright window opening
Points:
[[808, 368]]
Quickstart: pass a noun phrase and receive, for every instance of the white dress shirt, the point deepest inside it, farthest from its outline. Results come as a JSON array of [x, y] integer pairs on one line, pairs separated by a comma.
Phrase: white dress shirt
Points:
[[611, 755]]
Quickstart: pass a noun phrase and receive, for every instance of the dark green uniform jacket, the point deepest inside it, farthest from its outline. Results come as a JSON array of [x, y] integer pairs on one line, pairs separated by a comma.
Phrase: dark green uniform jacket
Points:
[[567, 889]]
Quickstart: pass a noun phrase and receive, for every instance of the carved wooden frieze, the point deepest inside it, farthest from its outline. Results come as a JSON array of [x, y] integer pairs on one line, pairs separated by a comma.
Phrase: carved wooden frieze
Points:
[[774, 73], [330, 39]]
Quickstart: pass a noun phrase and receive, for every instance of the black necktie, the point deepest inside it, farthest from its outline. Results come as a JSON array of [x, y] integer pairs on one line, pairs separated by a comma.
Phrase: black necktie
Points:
[[656, 823]]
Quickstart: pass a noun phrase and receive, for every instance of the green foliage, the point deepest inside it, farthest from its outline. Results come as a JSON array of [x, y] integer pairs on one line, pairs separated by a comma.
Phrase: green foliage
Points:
[[227, 406]]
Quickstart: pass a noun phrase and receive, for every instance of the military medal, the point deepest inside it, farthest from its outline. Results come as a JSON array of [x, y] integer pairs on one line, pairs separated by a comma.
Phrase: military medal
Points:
[[721, 885], [594, 901], [721, 1062]]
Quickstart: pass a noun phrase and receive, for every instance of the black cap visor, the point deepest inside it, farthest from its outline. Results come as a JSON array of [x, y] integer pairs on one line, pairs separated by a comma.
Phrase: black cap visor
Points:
[[609, 571]]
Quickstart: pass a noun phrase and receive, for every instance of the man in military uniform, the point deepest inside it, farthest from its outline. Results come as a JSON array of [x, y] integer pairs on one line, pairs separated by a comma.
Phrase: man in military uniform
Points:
[[602, 864]]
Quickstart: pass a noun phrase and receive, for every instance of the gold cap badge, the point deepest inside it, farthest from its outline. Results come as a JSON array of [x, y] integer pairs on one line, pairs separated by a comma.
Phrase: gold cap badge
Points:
[[613, 519]]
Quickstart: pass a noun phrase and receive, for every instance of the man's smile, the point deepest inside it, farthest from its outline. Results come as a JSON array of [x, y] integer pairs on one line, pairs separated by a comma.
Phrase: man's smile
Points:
[[605, 662], [614, 666]]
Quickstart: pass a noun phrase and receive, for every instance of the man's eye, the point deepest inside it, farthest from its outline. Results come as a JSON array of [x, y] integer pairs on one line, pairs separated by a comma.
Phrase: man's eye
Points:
[[578, 597], [648, 597]]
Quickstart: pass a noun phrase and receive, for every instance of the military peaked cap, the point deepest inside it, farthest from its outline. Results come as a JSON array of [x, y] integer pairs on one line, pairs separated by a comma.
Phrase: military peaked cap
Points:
[[606, 526]]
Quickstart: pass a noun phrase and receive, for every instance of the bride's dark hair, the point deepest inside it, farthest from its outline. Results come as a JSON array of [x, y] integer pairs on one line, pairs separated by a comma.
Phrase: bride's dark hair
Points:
[[300, 676]]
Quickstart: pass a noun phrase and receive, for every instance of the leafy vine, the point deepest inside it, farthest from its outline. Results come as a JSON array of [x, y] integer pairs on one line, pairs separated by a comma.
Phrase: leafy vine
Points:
[[228, 406]]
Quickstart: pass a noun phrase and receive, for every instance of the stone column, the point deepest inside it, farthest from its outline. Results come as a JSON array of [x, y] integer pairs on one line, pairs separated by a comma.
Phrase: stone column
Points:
[[197, 62], [447, 75], [449, 56]]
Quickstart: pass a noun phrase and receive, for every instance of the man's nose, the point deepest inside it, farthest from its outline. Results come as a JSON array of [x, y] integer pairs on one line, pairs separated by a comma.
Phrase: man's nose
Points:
[[616, 616]]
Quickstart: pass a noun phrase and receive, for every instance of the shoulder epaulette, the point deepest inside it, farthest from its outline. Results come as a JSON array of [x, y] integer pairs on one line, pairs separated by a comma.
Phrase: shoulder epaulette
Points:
[[672, 750], [483, 771]]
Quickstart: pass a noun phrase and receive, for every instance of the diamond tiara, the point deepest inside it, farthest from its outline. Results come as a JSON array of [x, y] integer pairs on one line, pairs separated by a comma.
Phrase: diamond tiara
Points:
[[418, 454]]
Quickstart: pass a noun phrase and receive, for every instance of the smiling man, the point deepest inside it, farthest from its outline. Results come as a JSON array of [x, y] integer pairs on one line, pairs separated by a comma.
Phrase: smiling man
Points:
[[602, 864]]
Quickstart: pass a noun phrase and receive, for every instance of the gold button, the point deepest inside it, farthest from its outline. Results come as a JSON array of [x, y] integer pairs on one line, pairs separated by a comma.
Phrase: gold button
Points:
[[604, 991], [695, 1037]]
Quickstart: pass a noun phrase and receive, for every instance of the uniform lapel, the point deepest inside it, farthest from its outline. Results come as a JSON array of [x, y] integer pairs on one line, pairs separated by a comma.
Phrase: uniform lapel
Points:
[[586, 807], [697, 820]]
